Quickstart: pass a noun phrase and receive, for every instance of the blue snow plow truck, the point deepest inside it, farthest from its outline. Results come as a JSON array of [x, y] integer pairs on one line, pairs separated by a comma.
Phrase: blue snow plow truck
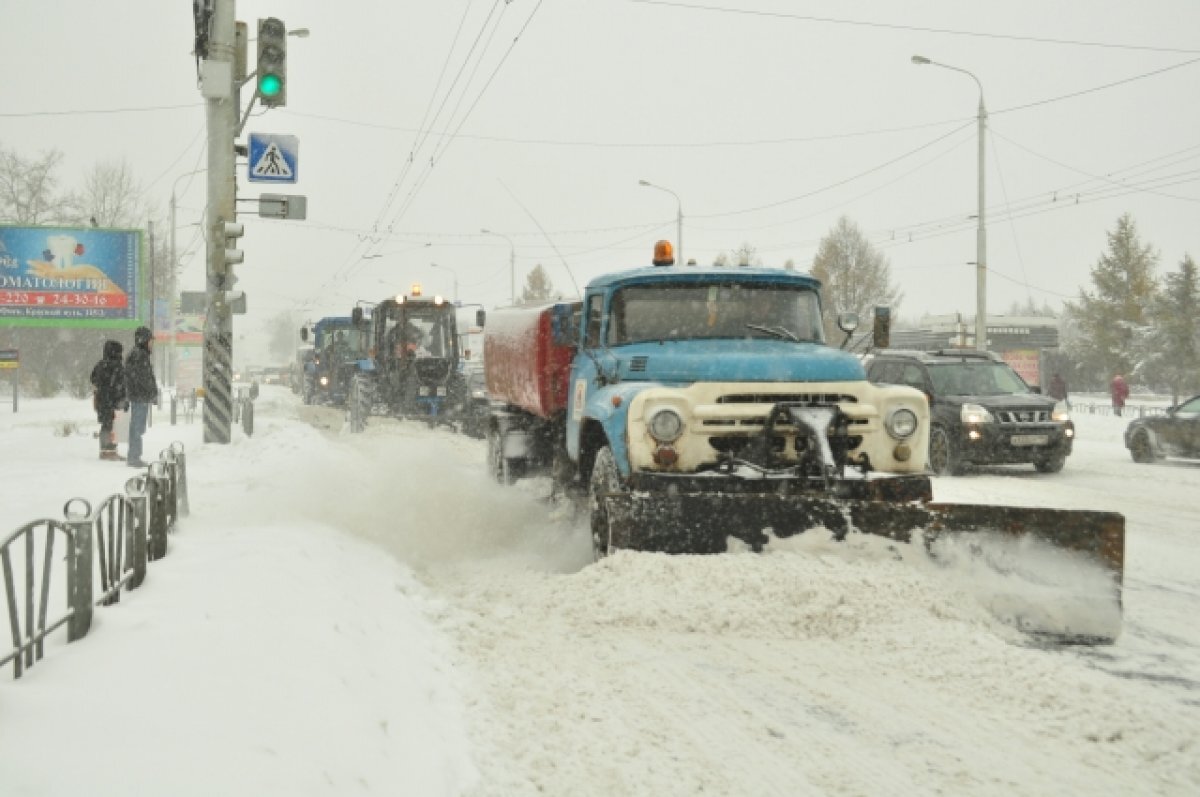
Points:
[[690, 405]]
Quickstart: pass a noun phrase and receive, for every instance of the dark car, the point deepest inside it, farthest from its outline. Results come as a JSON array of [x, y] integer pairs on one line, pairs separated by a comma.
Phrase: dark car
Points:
[[981, 411], [1175, 434]]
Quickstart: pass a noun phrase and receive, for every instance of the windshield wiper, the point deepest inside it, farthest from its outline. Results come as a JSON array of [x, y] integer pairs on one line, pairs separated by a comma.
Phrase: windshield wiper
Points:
[[778, 332]]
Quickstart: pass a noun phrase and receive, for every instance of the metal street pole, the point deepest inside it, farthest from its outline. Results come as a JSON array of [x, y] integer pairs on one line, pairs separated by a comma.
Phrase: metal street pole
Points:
[[981, 229], [512, 263], [173, 359], [678, 220], [221, 106]]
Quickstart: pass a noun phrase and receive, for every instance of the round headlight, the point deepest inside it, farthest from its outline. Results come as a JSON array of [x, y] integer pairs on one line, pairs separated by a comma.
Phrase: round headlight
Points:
[[665, 425], [902, 423]]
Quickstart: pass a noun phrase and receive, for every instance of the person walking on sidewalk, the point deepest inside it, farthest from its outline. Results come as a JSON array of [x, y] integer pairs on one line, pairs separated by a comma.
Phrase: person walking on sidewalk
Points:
[[141, 388], [108, 395]]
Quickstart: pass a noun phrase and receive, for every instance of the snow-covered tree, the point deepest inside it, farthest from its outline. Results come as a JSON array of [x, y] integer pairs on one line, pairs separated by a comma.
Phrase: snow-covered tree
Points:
[[1108, 316], [854, 275], [1170, 344], [538, 287]]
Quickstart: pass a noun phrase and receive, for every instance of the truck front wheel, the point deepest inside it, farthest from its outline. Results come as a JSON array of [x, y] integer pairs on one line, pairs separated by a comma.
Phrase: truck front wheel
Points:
[[605, 480]]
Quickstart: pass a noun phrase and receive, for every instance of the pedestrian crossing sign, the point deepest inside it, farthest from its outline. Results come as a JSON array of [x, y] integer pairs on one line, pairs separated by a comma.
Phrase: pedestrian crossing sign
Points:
[[272, 158]]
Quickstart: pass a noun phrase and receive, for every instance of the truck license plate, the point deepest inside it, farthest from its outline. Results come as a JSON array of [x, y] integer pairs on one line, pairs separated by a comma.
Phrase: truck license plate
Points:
[[1030, 439]]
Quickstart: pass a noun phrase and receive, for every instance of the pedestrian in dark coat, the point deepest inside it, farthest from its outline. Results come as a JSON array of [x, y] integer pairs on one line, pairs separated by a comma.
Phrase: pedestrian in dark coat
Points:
[[142, 390], [108, 395], [1058, 389]]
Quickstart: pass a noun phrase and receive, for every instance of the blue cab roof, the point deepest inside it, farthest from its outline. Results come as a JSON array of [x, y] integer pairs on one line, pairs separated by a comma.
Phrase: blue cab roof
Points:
[[704, 274]]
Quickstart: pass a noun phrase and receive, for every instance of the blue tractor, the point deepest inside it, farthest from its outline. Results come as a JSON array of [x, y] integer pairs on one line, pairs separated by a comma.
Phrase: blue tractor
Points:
[[340, 350]]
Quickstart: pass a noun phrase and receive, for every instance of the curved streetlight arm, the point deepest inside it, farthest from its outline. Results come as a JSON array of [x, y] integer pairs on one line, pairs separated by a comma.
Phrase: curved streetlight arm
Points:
[[981, 229], [678, 218]]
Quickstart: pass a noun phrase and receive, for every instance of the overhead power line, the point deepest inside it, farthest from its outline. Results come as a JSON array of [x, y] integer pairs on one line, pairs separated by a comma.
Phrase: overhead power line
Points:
[[919, 28]]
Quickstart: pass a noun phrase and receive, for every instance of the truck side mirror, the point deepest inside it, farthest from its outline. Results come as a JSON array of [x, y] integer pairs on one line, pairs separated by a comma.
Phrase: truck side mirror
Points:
[[356, 316], [480, 317], [304, 334], [881, 332]]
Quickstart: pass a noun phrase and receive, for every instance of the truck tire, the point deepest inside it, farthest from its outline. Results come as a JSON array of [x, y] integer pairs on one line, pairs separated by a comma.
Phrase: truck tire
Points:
[[1052, 464], [1140, 447], [505, 471], [358, 403], [605, 480], [941, 454]]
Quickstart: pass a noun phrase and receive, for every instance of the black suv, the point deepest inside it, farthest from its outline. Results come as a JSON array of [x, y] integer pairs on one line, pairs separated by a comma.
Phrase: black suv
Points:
[[981, 412]]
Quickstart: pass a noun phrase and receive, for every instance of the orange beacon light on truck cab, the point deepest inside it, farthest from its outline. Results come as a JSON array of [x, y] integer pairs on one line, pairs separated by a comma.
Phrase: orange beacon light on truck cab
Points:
[[664, 254]]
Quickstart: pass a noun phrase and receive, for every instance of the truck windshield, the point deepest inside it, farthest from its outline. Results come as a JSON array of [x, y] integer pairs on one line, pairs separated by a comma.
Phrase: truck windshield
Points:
[[348, 341], [421, 332], [718, 310]]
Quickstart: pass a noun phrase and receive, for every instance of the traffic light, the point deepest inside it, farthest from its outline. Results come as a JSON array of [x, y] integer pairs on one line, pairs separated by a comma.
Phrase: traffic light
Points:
[[272, 62], [231, 231]]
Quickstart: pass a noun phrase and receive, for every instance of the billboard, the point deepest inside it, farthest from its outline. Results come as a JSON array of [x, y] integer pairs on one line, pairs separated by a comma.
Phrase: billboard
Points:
[[70, 277], [1026, 363]]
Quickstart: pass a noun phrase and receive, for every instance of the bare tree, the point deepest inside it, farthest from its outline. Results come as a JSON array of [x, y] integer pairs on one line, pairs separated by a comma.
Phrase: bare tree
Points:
[[29, 192], [855, 276], [744, 255], [111, 197], [283, 337]]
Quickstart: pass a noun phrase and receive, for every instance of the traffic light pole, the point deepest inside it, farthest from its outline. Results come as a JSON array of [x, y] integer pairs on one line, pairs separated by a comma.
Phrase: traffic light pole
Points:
[[221, 108]]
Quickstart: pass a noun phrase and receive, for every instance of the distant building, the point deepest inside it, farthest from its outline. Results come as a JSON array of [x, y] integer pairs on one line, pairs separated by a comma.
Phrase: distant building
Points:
[[1022, 341]]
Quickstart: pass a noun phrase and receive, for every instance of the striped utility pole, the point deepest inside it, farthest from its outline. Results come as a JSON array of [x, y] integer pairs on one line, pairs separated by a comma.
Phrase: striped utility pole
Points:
[[220, 91]]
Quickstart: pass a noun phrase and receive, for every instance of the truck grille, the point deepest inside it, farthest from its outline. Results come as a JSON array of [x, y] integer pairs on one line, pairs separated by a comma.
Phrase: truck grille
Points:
[[815, 399]]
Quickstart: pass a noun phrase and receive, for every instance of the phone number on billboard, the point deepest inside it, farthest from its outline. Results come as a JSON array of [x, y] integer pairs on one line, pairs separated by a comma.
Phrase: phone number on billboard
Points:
[[50, 299]]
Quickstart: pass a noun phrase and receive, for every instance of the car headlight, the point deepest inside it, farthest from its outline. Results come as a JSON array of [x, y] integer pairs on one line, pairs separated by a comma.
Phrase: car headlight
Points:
[[902, 423], [1061, 413], [665, 425], [324, 381], [973, 413]]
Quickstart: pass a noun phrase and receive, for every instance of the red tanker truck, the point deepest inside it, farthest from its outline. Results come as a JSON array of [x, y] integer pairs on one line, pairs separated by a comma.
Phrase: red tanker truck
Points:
[[527, 362]]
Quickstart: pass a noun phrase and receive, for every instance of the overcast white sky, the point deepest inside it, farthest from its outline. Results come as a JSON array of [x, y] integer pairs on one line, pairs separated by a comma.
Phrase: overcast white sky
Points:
[[768, 119]]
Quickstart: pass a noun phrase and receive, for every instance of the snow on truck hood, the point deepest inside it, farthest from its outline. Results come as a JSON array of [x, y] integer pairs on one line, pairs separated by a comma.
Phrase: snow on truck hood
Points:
[[756, 360]]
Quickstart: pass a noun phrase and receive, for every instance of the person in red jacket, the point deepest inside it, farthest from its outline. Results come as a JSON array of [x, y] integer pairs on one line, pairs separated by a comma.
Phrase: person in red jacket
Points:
[[1120, 392]]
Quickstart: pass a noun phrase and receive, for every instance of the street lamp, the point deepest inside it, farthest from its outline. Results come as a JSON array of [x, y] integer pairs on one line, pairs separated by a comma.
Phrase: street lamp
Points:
[[452, 274], [981, 231], [512, 263], [678, 219]]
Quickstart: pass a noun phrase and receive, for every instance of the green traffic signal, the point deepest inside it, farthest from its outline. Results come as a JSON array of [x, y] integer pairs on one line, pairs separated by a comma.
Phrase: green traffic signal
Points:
[[272, 62], [269, 85]]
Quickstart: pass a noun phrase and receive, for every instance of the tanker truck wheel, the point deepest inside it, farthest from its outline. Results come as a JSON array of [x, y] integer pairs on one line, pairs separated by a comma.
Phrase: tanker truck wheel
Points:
[[605, 480], [503, 470]]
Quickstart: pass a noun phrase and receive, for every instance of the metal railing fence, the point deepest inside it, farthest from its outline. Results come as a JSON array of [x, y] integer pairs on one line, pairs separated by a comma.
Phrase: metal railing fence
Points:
[[114, 541]]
